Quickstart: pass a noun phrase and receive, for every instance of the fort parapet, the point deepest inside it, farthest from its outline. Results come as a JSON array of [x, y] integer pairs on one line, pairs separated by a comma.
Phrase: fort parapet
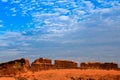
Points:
[[46, 64], [98, 65], [42, 64], [22, 65], [42, 60], [65, 64]]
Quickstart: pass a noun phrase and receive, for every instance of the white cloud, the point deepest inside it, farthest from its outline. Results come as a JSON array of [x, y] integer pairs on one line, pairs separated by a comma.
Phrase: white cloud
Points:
[[81, 12], [16, 1], [4, 0], [64, 18], [89, 6], [10, 52], [12, 39], [47, 3], [13, 9], [3, 44], [38, 15], [62, 10], [110, 3], [62, 7], [103, 11], [56, 23], [1, 23]]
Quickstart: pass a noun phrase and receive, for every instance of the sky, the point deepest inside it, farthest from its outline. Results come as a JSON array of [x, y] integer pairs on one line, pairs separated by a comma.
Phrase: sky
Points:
[[78, 30]]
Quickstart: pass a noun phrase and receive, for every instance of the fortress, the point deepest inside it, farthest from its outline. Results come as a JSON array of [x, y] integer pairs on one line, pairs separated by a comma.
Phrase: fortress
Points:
[[14, 67]]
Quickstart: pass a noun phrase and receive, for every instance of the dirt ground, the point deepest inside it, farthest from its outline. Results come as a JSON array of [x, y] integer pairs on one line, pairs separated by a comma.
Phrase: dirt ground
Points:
[[67, 74]]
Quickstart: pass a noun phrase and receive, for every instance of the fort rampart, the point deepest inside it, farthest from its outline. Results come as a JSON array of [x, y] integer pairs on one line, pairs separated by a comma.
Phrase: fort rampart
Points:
[[98, 65], [22, 65]]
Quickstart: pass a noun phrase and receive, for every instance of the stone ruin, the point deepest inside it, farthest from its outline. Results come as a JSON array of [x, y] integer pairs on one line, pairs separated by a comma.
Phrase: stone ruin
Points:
[[98, 65], [22, 65], [65, 64], [45, 64], [14, 67], [42, 64]]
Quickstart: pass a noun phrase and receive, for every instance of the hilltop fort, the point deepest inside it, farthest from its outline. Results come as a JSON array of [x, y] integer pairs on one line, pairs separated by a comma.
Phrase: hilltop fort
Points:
[[22, 65]]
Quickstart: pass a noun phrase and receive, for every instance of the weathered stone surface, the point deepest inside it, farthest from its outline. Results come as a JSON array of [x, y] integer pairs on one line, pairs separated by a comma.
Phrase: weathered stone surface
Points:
[[64, 64], [15, 67], [42, 60], [42, 64], [12, 68], [110, 66], [98, 65], [39, 67], [91, 65], [45, 64]]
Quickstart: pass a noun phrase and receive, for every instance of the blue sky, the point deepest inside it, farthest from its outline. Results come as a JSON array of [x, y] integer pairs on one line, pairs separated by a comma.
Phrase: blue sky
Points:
[[79, 30]]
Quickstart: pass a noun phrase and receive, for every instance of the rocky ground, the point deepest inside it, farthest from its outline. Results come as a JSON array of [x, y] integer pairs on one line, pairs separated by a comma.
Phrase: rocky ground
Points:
[[67, 74]]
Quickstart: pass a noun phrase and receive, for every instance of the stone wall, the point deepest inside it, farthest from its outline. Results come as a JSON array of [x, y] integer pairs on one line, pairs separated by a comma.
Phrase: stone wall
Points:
[[14, 67], [42, 64], [64, 64], [42, 60], [98, 65], [110, 66], [22, 65], [45, 64]]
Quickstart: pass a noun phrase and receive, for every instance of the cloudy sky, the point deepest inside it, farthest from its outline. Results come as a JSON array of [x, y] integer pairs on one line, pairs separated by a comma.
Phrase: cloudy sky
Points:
[[79, 30]]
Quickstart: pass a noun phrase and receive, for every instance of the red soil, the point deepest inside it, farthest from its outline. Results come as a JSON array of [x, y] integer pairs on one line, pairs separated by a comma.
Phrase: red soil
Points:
[[67, 74]]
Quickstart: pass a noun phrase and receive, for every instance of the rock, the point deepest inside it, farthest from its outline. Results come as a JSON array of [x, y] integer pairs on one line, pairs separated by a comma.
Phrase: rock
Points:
[[14, 67]]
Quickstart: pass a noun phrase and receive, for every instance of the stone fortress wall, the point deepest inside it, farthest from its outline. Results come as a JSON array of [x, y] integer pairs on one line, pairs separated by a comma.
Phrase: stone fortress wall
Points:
[[98, 65], [42, 64], [22, 65], [45, 64]]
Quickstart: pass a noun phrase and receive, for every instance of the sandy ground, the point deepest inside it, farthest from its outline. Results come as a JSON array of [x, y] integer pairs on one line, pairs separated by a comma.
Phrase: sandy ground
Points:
[[67, 74], [7, 78]]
